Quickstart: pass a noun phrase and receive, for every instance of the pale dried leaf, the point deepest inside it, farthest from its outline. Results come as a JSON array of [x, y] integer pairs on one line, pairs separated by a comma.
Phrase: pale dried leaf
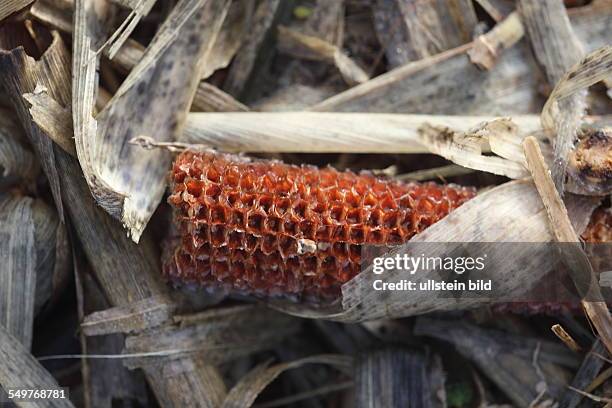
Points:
[[243, 394], [325, 132]]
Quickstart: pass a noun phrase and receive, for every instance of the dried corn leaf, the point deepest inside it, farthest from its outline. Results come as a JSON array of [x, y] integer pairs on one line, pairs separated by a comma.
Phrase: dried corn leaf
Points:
[[140, 8], [17, 162], [56, 16], [557, 48], [448, 83], [325, 132], [244, 64], [245, 392], [411, 30], [313, 48], [53, 119], [19, 369], [125, 180], [138, 316], [20, 73], [52, 255], [393, 378], [18, 271], [8, 7], [327, 21], [231, 36], [111, 253], [218, 335], [506, 360], [106, 382], [557, 114], [208, 98], [127, 272], [193, 383]]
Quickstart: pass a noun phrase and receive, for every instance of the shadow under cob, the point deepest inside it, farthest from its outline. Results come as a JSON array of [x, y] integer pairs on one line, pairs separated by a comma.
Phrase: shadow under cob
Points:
[[270, 229]]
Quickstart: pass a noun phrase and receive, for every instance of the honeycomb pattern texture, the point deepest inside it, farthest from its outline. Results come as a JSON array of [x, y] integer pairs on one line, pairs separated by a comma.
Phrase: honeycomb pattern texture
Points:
[[270, 229]]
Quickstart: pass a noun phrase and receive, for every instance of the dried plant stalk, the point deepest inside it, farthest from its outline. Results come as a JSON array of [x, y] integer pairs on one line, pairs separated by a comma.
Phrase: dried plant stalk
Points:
[[137, 316], [488, 47], [325, 132], [576, 259], [465, 148], [313, 48]]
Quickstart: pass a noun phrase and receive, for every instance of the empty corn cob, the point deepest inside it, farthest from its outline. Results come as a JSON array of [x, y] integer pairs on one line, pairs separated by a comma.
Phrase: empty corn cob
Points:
[[271, 229]]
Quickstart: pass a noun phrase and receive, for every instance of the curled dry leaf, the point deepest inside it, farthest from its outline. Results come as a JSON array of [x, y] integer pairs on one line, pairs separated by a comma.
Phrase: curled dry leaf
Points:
[[466, 149], [126, 180], [244, 393]]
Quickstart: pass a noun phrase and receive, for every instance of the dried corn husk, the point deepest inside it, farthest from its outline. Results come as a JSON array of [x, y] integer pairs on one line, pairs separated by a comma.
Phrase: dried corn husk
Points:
[[125, 180]]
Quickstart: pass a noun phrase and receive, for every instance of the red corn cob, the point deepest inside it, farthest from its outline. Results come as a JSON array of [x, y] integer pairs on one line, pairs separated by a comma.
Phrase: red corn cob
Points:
[[270, 229]]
